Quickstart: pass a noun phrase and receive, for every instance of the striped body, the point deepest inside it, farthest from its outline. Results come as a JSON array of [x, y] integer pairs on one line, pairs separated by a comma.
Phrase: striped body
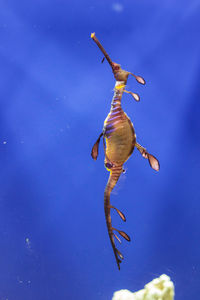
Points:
[[120, 142], [118, 131]]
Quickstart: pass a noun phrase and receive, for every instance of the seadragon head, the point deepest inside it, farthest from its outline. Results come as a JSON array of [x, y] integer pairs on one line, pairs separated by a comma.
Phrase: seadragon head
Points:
[[119, 74]]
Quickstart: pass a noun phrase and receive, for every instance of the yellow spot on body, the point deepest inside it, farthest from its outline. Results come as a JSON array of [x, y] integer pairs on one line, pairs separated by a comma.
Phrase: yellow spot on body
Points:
[[120, 86], [109, 170], [92, 34]]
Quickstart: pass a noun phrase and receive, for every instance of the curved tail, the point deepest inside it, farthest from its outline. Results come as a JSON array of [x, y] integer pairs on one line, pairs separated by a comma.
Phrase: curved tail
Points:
[[113, 178]]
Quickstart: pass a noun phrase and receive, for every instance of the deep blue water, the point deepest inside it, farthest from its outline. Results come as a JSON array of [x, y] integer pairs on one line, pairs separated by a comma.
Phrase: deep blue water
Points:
[[55, 95]]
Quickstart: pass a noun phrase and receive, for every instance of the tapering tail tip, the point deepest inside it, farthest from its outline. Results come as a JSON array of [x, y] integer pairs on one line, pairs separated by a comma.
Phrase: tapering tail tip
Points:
[[118, 265], [92, 35]]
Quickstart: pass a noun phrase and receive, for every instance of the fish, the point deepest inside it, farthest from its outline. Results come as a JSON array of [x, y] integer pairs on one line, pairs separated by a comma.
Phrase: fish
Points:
[[119, 141]]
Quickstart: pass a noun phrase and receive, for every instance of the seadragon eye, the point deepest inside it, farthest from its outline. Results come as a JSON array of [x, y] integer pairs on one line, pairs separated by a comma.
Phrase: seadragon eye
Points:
[[115, 66], [108, 165]]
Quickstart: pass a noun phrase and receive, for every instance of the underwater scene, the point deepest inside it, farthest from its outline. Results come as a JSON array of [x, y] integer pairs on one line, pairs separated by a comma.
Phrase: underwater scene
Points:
[[99, 150]]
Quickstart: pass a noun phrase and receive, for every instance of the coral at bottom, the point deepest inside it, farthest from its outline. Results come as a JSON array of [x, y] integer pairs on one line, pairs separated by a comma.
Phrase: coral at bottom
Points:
[[161, 288]]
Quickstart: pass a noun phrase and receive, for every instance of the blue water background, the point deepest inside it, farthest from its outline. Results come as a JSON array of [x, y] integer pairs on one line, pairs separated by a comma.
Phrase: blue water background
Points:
[[55, 95]]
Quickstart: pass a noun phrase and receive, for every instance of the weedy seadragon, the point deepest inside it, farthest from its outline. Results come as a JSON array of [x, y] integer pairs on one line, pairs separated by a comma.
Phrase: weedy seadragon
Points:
[[119, 140]]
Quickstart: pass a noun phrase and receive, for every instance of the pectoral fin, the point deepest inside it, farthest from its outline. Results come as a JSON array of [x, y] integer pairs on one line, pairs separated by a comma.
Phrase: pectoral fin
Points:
[[154, 163], [95, 148]]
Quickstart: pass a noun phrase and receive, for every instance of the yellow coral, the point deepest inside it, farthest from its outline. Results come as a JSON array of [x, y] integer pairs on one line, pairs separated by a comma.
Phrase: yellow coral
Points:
[[161, 288]]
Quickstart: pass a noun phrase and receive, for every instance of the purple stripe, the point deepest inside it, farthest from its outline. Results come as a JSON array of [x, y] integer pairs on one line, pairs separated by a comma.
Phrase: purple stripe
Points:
[[109, 126], [109, 131], [115, 112], [110, 119], [116, 107]]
